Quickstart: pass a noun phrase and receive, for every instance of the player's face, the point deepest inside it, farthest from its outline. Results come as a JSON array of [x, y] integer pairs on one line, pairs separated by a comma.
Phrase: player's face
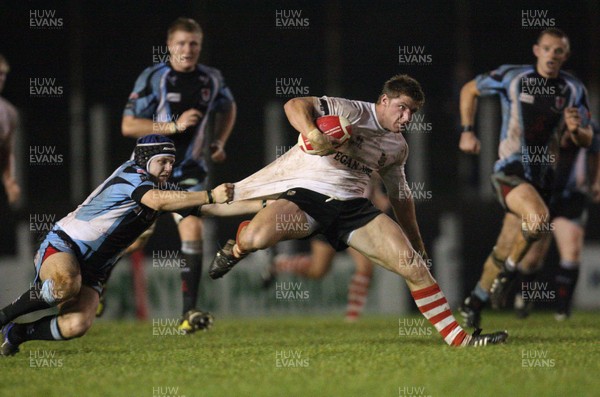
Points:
[[551, 52], [161, 167], [184, 48], [396, 112]]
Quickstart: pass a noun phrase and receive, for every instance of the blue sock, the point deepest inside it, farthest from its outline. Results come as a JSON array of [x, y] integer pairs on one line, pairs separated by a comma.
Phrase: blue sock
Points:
[[480, 293], [45, 328]]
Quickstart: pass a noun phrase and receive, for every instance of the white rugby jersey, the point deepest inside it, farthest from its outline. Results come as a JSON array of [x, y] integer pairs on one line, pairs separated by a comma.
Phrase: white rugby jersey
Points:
[[345, 174]]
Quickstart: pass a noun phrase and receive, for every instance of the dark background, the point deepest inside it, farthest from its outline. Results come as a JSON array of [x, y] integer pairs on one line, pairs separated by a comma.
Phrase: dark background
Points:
[[104, 45]]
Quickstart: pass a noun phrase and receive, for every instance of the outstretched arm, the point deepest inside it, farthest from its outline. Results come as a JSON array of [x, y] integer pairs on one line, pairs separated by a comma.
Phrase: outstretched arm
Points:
[[244, 207], [173, 200]]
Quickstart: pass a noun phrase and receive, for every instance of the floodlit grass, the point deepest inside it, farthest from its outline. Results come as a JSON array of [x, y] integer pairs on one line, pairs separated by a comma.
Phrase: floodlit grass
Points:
[[312, 356]]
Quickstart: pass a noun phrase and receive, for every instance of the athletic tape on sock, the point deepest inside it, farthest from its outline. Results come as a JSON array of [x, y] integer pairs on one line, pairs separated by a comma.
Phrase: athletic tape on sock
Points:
[[55, 330], [510, 265], [569, 265], [191, 247], [480, 293]]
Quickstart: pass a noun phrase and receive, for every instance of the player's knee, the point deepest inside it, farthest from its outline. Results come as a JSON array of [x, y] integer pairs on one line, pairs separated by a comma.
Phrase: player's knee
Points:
[[75, 325], [61, 287], [534, 225]]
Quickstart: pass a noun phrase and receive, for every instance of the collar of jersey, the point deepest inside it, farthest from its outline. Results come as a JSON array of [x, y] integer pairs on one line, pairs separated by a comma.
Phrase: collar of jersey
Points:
[[380, 129]]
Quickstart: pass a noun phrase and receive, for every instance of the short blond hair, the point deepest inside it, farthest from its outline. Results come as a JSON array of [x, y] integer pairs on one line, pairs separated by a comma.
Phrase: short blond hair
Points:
[[184, 24]]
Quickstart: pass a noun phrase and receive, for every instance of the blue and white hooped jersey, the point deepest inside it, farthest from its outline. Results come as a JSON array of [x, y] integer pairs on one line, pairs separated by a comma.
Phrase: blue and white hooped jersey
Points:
[[111, 218], [532, 117], [162, 94]]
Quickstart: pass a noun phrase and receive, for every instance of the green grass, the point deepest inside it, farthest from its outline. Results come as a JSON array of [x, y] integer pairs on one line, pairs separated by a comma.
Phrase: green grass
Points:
[[238, 358]]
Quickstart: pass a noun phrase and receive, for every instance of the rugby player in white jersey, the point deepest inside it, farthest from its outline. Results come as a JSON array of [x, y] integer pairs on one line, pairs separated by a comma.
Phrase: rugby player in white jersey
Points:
[[324, 193]]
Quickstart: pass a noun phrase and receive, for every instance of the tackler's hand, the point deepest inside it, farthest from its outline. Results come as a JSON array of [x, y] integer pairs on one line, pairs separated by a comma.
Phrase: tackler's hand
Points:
[[223, 193]]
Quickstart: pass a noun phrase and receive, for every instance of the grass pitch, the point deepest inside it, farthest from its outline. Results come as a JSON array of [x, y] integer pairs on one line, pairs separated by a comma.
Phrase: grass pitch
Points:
[[311, 356]]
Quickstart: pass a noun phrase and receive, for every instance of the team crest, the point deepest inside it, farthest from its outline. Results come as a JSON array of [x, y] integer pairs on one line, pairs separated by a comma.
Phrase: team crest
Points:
[[559, 104]]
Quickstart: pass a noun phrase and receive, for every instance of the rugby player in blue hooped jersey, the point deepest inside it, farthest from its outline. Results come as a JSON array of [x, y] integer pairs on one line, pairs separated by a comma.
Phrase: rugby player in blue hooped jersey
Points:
[[77, 255], [541, 104], [577, 184], [175, 98]]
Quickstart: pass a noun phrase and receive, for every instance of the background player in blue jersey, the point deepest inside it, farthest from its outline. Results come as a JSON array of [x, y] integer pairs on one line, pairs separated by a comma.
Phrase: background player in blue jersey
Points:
[[539, 102], [74, 260], [175, 99], [577, 182]]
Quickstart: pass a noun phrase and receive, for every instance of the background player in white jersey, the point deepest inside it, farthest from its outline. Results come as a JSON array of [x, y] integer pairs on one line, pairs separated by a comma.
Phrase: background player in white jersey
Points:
[[75, 259], [539, 102], [325, 194], [8, 125], [175, 99]]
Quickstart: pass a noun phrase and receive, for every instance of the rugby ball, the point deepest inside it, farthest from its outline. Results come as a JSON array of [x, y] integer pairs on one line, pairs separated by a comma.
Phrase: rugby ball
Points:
[[335, 126]]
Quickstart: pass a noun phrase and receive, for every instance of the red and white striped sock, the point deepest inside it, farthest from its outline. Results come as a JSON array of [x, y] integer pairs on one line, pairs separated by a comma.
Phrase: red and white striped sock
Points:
[[357, 295], [434, 306], [295, 264]]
